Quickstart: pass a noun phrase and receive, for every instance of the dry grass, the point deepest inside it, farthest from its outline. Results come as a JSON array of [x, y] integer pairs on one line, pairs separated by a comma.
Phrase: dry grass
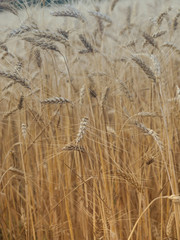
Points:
[[89, 113]]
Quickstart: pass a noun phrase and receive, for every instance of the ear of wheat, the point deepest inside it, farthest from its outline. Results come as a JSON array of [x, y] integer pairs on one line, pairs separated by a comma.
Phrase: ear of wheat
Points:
[[16, 78], [101, 16], [130, 179], [23, 130], [170, 224], [38, 57], [10, 112], [171, 46], [69, 11], [87, 45], [150, 132], [43, 44], [144, 67], [114, 2], [150, 40], [104, 97], [175, 23], [55, 100], [159, 34], [72, 147], [52, 37], [82, 93], [23, 29], [161, 17], [20, 104], [8, 7], [63, 33], [82, 128], [157, 65]]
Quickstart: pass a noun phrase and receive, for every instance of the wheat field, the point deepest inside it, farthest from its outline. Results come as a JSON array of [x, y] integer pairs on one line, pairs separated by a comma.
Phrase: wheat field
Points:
[[89, 120]]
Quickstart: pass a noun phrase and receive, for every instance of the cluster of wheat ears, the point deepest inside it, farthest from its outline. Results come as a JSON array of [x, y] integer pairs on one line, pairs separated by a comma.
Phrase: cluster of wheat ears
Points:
[[89, 120]]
